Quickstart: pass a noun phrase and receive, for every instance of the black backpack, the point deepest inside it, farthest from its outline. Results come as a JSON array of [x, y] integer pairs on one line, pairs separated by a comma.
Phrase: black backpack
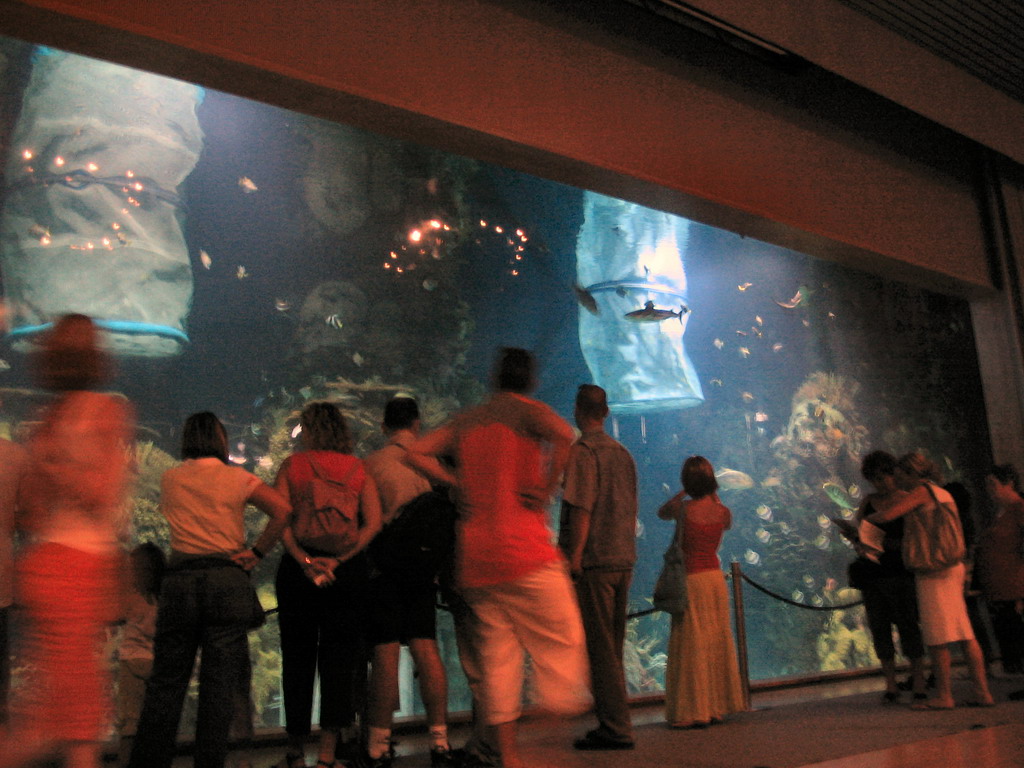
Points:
[[421, 538]]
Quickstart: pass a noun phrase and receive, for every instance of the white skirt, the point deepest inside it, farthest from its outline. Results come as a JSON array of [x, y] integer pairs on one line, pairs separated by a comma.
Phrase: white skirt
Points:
[[940, 601]]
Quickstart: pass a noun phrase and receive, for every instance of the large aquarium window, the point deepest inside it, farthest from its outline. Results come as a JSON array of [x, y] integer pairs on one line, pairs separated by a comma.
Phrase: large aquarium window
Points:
[[247, 260]]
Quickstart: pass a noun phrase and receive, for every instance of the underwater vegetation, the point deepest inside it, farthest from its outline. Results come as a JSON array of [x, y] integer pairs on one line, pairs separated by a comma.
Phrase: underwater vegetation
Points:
[[643, 656]]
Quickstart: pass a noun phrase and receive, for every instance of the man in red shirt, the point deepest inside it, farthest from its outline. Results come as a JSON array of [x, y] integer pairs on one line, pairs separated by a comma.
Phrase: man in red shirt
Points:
[[509, 454]]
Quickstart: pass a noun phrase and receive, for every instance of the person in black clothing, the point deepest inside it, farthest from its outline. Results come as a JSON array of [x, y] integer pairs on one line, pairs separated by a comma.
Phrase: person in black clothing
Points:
[[887, 586]]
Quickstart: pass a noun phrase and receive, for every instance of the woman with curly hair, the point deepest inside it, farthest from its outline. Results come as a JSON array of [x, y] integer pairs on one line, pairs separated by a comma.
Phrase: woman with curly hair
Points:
[[320, 594]]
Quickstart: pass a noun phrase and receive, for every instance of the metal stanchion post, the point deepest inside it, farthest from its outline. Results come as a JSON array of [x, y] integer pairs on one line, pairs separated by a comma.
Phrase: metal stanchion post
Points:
[[741, 631]]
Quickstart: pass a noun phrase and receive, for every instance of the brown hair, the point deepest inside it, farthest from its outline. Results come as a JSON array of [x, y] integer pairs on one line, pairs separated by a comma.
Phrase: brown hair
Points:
[[70, 356], [698, 477], [324, 428], [916, 464], [592, 401]]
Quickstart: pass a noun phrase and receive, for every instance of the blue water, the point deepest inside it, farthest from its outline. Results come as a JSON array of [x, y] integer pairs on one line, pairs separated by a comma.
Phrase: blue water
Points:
[[882, 364]]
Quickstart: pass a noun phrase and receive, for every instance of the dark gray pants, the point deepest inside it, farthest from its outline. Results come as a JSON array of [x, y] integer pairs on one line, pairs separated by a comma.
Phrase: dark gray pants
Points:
[[200, 609], [604, 603]]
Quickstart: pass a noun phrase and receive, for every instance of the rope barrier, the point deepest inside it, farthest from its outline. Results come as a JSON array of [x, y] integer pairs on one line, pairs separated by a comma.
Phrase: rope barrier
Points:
[[750, 581], [794, 603]]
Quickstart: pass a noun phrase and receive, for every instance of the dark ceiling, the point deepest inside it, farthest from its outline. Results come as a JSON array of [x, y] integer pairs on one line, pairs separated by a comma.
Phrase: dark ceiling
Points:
[[983, 37]]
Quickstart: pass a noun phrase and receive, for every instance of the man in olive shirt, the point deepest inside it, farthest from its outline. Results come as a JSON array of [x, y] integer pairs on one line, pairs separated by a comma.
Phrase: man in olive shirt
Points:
[[598, 536]]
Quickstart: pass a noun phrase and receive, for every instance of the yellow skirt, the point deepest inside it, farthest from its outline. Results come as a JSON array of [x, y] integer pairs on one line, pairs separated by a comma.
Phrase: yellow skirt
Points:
[[702, 679]]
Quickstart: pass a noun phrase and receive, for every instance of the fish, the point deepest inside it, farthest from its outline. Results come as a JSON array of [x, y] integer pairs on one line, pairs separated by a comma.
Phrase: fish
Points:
[[264, 462], [733, 480], [716, 382], [651, 314], [306, 392], [38, 230], [122, 238], [429, 285], [763, 536], [757, 332], [744, 352], [586, 299], [666, 488], [751, 557], [808, 580], [204, 257], [772, 481], [823, 522], [800, 297], [777, 346], [4, 365], [282, 305], [784, 527], [247, 185], [821, 542], [241, 273], [743, 286], [357, 359], [747, 397], [764, 512], [817, 601], [640, 529], [334, 321], [719, 343], [758, 320], [760, 416], [741, 333], [296, 431], [797, 595], [838, 495]]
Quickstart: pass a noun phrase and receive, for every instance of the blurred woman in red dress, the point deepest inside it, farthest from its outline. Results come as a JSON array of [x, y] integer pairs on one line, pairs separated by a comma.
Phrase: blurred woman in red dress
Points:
[[69, 577]]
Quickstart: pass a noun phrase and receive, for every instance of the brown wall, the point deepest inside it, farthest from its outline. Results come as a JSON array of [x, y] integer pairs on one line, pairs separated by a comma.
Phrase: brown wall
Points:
[[519, 84]]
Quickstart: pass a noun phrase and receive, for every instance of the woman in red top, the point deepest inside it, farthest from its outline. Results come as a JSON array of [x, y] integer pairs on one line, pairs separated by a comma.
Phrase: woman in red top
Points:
[[702, 680], [320, 594]]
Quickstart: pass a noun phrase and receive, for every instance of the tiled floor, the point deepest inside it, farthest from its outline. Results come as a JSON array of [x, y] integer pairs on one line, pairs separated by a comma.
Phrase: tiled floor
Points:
[[998, 747]]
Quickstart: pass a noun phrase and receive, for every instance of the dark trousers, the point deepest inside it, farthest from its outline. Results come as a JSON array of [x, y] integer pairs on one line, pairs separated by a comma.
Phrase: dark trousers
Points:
[[207, 610], [604, 602], [892, 601], [322, 632], [1008, 627]]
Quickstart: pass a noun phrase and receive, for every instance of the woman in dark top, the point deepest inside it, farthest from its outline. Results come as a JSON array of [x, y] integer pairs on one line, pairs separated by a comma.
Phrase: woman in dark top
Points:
[[887, 586]]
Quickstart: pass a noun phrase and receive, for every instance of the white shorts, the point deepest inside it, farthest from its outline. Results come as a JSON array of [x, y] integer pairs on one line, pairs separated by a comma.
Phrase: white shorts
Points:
[[536, 614]]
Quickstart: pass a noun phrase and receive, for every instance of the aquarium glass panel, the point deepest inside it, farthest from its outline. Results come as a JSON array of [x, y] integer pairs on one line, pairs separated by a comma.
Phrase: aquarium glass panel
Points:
[[248, 260]]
